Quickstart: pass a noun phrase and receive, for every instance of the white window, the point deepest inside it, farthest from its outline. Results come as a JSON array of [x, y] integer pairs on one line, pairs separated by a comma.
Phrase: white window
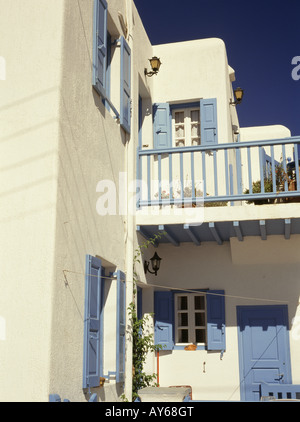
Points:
[[186, 127], [190, 318]]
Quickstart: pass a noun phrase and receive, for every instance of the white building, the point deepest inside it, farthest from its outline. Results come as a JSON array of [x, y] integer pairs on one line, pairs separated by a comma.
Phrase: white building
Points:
[[81, 122]]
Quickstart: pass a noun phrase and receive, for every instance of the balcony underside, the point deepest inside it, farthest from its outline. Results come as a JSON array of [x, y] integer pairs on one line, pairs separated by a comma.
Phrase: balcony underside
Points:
[[239, 222]]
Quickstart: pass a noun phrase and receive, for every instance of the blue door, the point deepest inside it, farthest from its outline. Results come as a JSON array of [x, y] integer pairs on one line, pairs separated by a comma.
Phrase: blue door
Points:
[[264, 354]]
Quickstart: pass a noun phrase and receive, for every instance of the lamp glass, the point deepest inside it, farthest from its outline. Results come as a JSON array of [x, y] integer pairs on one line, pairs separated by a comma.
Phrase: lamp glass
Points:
[[155, 64], [239, 94], [155, 261]]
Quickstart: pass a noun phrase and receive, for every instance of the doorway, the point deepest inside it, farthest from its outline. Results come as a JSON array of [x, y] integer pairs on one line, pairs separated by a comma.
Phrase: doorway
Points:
[[264, 353]]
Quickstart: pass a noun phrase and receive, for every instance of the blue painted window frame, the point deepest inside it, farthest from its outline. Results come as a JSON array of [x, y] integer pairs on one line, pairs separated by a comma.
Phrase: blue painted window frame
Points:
[[93, 327], [100, 46], [164, 319], [171, 107], [125, 86], [209, 121], [101, 75], [162, 126], [121, 326], [106, 99], [212, 321], [140, 139], [139, 306]]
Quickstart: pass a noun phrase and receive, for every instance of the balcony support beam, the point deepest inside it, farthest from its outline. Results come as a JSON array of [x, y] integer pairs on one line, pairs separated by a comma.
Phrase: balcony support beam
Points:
[[287, 228], [192, 235], [263, 230], [170, 237], [237, 229], [215, 233]]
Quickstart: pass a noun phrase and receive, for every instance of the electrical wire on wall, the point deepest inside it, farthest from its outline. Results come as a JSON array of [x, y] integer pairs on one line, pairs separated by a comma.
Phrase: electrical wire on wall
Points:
[[180, 289]]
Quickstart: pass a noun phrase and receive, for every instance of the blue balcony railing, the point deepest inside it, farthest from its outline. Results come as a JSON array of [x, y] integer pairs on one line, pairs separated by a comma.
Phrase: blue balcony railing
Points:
[[257, 171]]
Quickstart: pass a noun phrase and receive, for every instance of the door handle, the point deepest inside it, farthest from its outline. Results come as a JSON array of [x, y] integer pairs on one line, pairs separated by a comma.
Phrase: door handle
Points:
[[280, 376]]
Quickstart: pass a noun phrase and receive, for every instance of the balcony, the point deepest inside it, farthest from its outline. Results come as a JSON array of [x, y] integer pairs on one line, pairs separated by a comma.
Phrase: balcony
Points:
[[224, 184]]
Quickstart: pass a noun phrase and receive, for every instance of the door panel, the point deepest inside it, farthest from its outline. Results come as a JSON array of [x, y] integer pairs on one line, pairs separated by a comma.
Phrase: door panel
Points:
[[263, 348]]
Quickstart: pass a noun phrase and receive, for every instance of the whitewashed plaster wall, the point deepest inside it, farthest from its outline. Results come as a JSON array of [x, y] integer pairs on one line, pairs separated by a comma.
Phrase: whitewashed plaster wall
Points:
[[31, 43], [252, 272], [93, 148], [192, 70], [57, 142]]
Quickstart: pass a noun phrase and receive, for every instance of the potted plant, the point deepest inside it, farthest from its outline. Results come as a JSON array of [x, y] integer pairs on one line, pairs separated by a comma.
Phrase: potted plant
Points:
[[281, 178]]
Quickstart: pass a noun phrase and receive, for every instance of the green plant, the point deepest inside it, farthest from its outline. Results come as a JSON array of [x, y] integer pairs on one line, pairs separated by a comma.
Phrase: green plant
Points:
[[142, 339], [256, 188], [142, 344], [280, 177]]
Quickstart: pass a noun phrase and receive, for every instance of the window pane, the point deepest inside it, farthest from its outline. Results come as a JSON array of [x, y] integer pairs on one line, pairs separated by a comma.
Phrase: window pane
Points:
[[183, 336], [195, 115], [179, 117], [199, 303], [183, 320], [182, 303], [200, 336], [195, 130], [199, 319], [179, 131]]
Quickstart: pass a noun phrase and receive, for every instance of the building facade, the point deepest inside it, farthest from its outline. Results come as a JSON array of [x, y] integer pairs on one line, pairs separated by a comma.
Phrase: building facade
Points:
[[96, 158]]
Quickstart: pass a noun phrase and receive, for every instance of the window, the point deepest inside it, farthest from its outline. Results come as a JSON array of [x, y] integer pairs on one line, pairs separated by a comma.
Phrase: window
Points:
[[190, 318], [92, 356], [100, 46], [182, 318], [96, 300], [102, 63], [186, 127]]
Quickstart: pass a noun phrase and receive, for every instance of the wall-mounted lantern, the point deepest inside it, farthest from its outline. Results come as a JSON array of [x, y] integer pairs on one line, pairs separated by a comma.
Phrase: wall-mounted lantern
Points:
[[238, 93], [155, 263], [155, 65]]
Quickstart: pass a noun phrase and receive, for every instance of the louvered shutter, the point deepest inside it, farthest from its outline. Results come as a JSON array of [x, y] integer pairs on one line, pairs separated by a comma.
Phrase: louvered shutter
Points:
[[125, 101], [139, 303], [209, 125], [100, 46], [162, 137], [92, 332], [121, 324], [164, 319], [215, 302]]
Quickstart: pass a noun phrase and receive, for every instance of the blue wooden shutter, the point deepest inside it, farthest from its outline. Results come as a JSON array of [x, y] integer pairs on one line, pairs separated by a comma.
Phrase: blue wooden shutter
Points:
[[125, 112], [162, 126], [139, 303], [209, 124], [100, 46], [164, 319], [121, 324], [215, 302], [108, 69], [92, 332]]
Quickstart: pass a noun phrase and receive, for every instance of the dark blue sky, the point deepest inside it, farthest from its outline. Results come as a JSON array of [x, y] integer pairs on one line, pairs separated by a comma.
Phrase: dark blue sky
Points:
[[261, 37]]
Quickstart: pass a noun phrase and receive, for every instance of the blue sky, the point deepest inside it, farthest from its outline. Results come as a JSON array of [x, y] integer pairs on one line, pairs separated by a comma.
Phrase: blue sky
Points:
[[261, 37]]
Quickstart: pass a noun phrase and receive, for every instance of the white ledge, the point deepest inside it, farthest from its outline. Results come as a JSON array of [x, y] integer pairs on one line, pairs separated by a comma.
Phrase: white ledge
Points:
[[155, 216]]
